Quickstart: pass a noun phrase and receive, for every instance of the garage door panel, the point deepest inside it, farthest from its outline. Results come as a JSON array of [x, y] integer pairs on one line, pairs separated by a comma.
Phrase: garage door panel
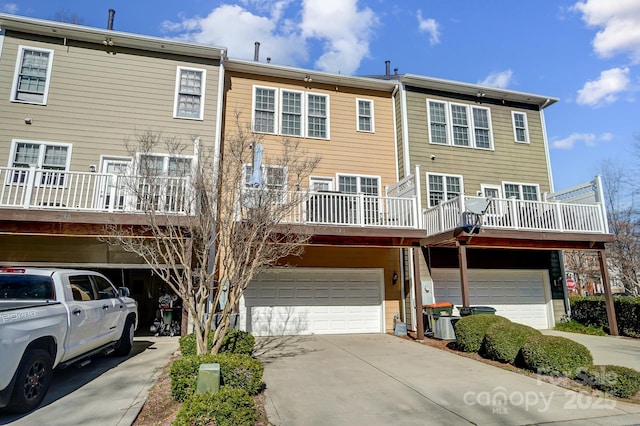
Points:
[[515, 294], [318, 301]]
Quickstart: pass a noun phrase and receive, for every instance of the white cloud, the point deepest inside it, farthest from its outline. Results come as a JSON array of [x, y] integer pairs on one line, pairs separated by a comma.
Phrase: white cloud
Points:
[[10, 8], [501, 79], [429, 26], [588, 139], [342, 29], [619, 21], [604, 90], [238, 29]]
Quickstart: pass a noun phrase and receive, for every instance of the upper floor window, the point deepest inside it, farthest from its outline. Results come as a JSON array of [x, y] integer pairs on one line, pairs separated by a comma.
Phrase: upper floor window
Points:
[[521, 191], [459, 125], [158, 165], [365, 115], [190, 84], [367, 185], [443, 187], [290, 113], [52, 158], [273, 177], [520, 127], [32, 75], [321, 183]]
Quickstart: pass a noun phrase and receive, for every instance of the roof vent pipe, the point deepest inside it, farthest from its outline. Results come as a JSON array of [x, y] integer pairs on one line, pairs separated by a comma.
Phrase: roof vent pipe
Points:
[[256, 52], [387, 67], [112, 13], [395, 71]]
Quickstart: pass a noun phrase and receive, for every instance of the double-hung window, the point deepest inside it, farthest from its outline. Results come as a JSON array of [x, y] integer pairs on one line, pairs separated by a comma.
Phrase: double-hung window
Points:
[[162, 182], [32, 75], [459, 125], [51, 158], [520, 127], [521, 191], [367, 185], [273, 177], [290, 113], [443, 187], [365, 115], [189, 100], [291, 105]]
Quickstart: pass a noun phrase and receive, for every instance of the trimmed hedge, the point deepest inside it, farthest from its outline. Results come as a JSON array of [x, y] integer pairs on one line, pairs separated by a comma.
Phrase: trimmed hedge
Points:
[[227, 407], [619, 381], [592, 311], [574, 326], [553, 355], [503, 340], [235, 341], [470, 330], [236, 370]]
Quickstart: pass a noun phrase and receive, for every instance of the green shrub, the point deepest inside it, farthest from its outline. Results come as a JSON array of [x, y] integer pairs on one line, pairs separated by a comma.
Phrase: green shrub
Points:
[[229, 406], [574, 326], [236, 370], [503, 340], [592, 311], [470, 330], [555, 355], [619, 381], [235, 341]]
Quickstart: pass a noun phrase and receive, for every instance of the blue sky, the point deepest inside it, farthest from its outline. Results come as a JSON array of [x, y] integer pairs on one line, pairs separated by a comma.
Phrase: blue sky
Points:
[[587, 52]]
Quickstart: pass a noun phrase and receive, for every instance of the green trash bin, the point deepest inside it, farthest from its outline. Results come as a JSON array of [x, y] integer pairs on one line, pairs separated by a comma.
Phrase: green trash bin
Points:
[[476, 310]]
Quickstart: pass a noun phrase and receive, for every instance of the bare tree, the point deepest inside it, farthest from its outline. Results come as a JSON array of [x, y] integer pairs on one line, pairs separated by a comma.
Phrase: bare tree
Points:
[[624, 224], [585, 267], [67, 17], [209, 231]]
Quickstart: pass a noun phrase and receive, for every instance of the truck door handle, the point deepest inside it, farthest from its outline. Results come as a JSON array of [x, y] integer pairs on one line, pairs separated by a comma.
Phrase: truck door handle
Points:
[[105, 307], [76, 311]]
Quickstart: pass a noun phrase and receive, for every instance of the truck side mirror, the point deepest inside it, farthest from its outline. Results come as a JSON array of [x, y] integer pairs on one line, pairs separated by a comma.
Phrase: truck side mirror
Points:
[[124, 292]]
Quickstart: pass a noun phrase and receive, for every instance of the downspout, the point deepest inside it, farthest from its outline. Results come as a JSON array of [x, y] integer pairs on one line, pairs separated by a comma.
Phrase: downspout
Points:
[[395, 130], [1, 40]]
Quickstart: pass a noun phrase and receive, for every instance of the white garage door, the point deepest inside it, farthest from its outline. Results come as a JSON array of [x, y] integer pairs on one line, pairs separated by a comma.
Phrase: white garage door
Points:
[[291, 301], [520, 295]]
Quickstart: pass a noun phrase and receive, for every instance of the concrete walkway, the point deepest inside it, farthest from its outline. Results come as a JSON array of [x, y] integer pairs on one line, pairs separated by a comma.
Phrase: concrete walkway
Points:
[[379, 379], [607, 349], [109, 391]]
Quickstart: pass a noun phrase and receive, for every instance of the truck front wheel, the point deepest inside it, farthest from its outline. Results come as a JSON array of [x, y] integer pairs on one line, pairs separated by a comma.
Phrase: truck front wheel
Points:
[[33, 378], [126, 340]]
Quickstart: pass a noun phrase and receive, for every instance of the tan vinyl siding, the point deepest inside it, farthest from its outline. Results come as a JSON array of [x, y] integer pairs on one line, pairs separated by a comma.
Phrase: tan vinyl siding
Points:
[[508, 161], [347, 151], [399, 140], [351, 257], [98, 100]]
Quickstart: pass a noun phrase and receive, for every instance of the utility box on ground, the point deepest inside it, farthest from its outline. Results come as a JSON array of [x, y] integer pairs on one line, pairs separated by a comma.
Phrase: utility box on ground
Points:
[[208, 378]]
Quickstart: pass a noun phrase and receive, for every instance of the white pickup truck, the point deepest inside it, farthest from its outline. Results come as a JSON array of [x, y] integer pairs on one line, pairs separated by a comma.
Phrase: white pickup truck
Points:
[[54, 318]]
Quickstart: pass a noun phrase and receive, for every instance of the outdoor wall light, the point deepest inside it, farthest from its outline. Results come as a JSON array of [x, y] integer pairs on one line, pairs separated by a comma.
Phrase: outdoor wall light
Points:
[[28, 120], [394, 278], [92, 168]]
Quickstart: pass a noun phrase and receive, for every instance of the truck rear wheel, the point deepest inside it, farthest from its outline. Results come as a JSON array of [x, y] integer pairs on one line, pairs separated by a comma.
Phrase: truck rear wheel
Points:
[[126, 340], [33, 378]]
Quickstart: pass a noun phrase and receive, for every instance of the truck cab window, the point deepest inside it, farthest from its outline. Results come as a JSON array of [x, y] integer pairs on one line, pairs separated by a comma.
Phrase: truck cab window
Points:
[[81, 288]]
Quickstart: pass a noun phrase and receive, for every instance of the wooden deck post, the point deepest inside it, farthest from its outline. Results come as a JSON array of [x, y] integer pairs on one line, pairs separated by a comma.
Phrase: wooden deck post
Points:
[[464, 276], [608, 297], [417, 252]]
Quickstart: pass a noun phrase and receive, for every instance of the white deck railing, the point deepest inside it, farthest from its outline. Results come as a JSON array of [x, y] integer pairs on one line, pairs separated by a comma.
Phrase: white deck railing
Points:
[[31, 188], [515, 214]]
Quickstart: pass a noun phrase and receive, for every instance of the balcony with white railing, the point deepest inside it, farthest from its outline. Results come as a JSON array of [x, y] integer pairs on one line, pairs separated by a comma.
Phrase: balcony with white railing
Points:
[[31, 188], [513, 214]]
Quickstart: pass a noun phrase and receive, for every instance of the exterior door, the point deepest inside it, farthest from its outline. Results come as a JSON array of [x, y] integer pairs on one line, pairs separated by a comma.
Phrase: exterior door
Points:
[[112, 306], [113, 192]]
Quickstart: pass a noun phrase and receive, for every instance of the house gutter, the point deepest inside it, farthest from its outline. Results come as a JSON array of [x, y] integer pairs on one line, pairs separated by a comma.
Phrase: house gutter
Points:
[[546, 145]]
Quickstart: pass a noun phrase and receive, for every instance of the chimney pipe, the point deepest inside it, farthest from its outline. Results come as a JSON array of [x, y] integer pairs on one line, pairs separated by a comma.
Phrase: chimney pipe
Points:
[[395, 71], [256, 52], [112, 13], [387, 67]]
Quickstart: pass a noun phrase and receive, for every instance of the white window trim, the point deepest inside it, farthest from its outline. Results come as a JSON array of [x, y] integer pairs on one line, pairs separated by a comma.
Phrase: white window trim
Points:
[[488, 186], [14, 87], [327, 118], [526, 126], [276, 110], [279, 111], [470, 125], [373, 121], [165, 163], [445, 175], [12, 156], [520, 185], [329, 180], [378, 178], [177, 94], [263, 170]]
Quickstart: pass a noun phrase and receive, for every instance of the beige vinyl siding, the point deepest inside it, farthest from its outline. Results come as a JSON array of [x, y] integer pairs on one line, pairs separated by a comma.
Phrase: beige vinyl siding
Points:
[[352, 257], [399, 139], [508, 161], [347, 151], [99, 100]]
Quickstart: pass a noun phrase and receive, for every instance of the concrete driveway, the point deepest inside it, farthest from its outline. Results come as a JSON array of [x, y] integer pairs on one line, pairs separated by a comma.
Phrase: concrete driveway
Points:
[[380, 379]]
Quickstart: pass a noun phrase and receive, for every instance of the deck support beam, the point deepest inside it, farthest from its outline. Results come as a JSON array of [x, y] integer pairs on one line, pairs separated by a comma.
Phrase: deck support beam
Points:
[[464, 275], [608, 296], [417, 252]]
